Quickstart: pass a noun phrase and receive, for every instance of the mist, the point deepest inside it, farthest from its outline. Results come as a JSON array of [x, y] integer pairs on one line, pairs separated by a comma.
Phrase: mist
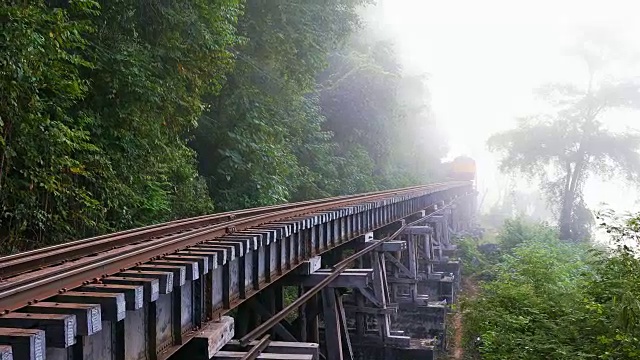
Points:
[[485, 61], [361, 168]]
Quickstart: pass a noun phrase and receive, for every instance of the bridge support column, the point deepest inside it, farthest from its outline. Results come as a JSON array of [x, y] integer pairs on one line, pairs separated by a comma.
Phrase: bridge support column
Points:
[[307, 322], [336, 334], [311, 313]]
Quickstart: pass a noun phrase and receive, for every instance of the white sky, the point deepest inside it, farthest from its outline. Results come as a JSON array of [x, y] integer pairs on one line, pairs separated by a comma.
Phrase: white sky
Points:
[[485, 58]]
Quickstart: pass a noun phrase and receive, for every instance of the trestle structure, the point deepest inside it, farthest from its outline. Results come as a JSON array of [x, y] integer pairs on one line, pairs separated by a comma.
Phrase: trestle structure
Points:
[[202, 302], [402, 313], [392, 304]]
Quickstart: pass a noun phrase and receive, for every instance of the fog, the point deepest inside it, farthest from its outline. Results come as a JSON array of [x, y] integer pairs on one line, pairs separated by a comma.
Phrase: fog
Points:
[[484, 60]]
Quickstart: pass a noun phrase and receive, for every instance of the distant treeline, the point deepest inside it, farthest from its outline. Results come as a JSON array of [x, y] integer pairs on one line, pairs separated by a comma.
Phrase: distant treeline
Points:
[[116, 114]]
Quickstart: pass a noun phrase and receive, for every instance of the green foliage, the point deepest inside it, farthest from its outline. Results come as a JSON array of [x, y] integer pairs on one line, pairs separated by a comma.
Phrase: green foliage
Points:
[[556, 300], [524, 312], [117, 114], [517, 231], [290, 294], [154, 62], [46, 154], [96, 99], [251, 141], [611, 322], [474, 261], [272, 134]]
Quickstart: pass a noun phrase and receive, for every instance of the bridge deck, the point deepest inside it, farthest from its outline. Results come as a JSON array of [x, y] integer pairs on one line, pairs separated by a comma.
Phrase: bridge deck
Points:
[[149, 295]]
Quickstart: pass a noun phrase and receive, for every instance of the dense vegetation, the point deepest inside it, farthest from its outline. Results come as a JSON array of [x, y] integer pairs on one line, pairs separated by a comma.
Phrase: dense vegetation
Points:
[[542, 298], [116, 114]]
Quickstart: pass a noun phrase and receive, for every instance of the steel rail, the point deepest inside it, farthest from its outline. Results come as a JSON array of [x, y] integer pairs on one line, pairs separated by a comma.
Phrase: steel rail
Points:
[[18, 292], [337, 269], [257, 349], [27, 261]]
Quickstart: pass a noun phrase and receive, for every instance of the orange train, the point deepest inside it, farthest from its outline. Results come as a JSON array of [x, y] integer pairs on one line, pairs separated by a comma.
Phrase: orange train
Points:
[[462, 168]]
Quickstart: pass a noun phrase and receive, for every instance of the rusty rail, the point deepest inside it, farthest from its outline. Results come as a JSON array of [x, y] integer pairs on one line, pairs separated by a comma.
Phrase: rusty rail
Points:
[[74, 264], [27, 261], [257, 349]]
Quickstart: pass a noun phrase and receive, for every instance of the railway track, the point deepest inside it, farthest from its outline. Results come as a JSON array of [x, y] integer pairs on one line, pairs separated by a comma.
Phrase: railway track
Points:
[[36, 275], [150, 292], [31, 260]]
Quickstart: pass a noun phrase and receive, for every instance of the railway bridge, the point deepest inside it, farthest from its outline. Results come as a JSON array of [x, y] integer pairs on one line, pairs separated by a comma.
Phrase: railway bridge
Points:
[[369, 276]]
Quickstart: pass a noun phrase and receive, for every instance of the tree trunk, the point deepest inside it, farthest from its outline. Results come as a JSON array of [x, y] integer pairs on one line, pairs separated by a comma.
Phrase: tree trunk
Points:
[[567, 205], [578, 174], [569, 198]]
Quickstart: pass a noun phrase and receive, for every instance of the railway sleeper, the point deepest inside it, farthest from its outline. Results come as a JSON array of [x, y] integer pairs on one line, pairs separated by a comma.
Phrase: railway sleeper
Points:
[[149, 311]]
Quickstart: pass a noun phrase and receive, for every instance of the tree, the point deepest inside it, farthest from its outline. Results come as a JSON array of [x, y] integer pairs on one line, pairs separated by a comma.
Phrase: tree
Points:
[[251, 136], [567, 147], [117, 114], [97, 99], [380, 115], [313, 108], [44, 151]]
